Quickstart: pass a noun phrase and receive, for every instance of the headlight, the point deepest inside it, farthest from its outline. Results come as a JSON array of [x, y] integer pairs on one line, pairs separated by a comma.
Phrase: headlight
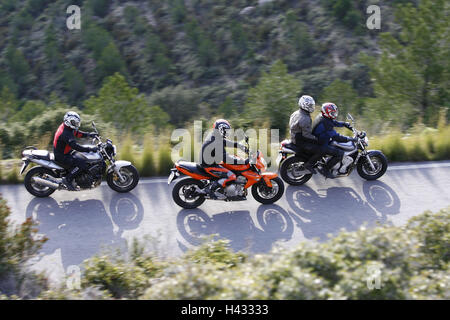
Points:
[[366, 141], [114, 150]]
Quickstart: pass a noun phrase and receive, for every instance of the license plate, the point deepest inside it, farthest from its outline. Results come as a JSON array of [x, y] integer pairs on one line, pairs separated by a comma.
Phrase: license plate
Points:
[[172, 175], [24, 166], [279, 158]]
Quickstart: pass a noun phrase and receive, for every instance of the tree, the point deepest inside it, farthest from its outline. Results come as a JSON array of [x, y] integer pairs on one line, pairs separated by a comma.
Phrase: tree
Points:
[[18, 67], [74, 84], [413, 68], [274, 97], [8, 104], [110, 62], [343, 95], [30, 110], [179, 102], [122, 105]]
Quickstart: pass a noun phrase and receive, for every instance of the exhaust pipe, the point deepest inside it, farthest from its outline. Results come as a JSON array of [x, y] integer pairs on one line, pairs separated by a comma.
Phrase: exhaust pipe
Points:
[[45, 183]]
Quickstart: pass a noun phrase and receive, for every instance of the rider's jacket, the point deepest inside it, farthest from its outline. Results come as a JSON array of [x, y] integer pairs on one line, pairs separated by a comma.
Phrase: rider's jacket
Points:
[[64, 141], [323, 129], [300, 127], [213, 149]]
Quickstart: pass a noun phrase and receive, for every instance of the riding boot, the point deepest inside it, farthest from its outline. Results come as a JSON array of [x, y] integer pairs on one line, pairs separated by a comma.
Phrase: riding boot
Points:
[[309, 165], [68, 179]]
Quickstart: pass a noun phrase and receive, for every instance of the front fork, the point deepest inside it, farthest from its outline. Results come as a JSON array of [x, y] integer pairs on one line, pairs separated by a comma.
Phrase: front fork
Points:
[[366, 155], [117, 171]]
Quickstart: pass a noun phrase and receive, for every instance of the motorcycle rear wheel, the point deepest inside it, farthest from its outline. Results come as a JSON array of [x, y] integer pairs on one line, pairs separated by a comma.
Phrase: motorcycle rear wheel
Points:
[[186, 188], [287, 171], [35, 189]]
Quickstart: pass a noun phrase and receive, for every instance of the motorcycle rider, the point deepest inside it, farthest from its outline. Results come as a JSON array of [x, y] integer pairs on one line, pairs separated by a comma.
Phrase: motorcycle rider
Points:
[[213, 153], [323, 129], [64, 143], [301, 131]]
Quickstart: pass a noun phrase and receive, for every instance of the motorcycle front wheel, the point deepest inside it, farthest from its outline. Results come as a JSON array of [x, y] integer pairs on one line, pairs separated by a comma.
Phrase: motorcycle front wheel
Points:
[[130, 181], [268, 195], [379, 162]]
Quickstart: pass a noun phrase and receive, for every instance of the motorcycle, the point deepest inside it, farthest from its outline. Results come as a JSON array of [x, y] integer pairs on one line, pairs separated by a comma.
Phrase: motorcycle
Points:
[[370, 164], [46, 178], [191, 192]]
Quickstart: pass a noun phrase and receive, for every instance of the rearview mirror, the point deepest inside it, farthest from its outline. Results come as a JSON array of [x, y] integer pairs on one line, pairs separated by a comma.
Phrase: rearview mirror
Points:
[[349, 117]]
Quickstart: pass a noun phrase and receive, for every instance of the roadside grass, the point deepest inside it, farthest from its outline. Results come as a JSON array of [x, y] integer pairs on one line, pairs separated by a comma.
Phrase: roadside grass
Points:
[[154, 159]]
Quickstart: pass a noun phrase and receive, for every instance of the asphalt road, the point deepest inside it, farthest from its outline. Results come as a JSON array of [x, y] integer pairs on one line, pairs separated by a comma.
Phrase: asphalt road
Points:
[[82, 224]]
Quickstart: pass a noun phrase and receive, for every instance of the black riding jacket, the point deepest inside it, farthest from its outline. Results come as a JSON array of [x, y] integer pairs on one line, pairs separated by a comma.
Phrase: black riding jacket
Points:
[[215, 142], [65, 140]]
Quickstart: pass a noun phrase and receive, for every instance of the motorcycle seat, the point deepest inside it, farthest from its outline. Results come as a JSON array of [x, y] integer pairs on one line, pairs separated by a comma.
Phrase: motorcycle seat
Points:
[[193, 167], [43, 154]]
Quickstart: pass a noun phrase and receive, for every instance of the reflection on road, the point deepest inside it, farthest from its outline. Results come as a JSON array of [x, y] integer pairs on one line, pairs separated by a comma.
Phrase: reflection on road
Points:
[[82, 229], [328, 211], [238, 227]]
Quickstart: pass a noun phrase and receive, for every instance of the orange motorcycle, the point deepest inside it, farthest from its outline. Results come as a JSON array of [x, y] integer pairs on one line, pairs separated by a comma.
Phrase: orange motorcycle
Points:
[[191, 191]]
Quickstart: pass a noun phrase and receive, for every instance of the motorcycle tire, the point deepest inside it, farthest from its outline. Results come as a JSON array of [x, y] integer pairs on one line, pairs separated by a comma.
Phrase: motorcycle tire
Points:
[[38, 171], [284, 172], [380, 158], [110, 179], [261, 186], [183, 184]]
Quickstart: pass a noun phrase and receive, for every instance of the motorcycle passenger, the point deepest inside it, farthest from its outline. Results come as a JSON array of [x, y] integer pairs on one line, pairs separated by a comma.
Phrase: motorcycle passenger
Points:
[[301, 131], [64, 143], [213, 153], [323, 129]]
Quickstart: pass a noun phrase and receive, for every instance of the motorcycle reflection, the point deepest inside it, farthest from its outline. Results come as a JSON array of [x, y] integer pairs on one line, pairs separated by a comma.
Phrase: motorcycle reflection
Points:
[[81, 229], [238, 227], [335, 208]]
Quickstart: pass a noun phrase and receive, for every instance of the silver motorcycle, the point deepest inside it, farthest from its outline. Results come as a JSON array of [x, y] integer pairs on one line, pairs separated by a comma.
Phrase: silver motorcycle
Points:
[[370, 164], [45, 178]]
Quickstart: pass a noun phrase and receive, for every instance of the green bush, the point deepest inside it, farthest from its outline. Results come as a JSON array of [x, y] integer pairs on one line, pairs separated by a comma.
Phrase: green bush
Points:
[[412, 261], [164, 160], [429, 144], [147, 164], [18, 244], [126, 151]]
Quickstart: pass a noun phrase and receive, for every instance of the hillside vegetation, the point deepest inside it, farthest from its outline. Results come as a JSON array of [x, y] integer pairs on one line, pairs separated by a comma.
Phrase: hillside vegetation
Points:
[[144, 67]]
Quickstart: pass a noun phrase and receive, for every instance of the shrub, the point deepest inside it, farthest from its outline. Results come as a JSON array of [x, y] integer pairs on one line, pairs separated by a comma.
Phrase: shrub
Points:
[[17, 246], [147, 165], [164, 160], [126, 149], [413, 262], [13, 175]]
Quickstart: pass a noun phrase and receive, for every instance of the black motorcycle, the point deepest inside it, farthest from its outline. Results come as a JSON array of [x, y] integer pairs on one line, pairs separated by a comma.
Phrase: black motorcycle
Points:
[[370, 164], [46, 178]]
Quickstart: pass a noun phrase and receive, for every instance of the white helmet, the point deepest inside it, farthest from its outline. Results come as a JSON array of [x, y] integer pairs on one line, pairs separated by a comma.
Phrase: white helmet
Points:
[[306, 103], [72, 120]]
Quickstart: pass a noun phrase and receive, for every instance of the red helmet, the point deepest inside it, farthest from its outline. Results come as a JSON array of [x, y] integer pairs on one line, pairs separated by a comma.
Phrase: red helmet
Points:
[[223, 126], [330, 110]]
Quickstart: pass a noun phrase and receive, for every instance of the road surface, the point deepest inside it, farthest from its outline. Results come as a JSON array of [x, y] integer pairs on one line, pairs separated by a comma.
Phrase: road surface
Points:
[[82, 224]]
